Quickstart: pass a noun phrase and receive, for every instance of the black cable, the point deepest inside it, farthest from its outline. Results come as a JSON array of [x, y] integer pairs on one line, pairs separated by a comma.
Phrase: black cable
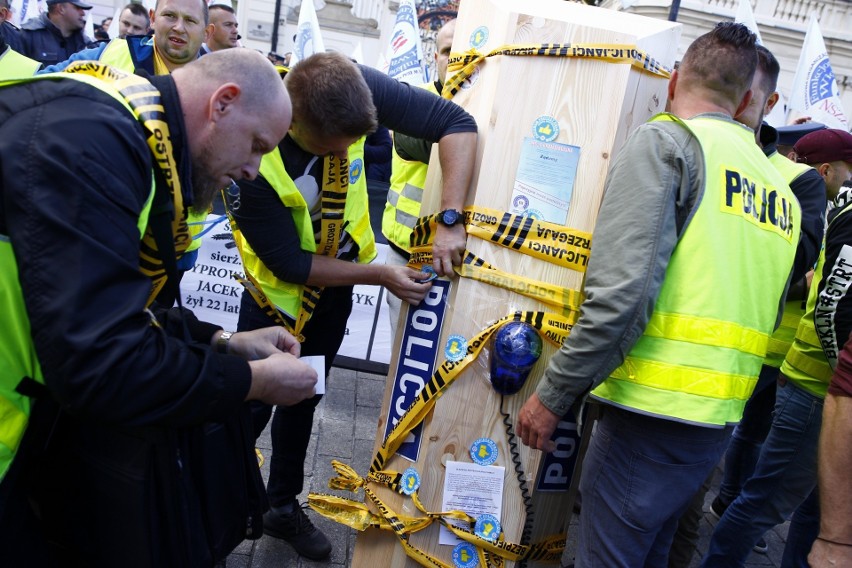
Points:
[[512, 440]]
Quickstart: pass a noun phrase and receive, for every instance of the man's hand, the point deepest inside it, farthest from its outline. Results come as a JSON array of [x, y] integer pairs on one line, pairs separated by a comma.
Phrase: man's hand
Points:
[[402, 282], [261, 343], [448, 248], [829, 555], [281, 379], [536, 424]]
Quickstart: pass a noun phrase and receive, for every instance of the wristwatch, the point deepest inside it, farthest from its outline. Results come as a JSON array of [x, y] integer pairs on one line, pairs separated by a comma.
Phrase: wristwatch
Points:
[[222, 342], [449, 217]]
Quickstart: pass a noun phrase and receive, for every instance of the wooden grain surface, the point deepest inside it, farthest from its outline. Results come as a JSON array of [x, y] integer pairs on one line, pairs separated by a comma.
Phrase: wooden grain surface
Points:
[[596, 105]]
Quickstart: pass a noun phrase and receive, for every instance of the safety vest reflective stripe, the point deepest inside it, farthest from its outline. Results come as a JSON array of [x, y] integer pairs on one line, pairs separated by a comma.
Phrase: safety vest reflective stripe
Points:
[[13, 65], [287, 296], [706, 331], [402, 209], [699, 357]]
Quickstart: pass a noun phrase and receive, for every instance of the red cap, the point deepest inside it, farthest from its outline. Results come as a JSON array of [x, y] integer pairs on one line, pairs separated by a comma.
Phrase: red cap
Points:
[[829, 145]]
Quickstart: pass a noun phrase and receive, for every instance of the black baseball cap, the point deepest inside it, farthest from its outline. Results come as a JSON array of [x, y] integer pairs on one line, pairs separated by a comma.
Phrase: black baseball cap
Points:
[[77, 3]]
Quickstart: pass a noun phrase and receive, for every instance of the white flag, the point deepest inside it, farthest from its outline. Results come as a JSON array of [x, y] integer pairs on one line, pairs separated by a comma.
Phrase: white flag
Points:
[[745, 17], [815, 91], [23, 10], [404, 52], [308, 37]]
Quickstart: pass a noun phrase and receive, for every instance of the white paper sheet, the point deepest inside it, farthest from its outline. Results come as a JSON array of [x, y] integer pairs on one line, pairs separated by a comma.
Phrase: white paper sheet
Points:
[[474, 489], [317, 362]]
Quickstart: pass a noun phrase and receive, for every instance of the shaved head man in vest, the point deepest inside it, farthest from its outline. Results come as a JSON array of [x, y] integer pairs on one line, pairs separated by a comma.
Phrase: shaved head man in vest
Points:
[[121, 401]]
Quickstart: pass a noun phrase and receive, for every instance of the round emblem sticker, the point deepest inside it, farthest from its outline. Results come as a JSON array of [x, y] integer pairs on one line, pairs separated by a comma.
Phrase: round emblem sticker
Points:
[[410, 481], [487, 527], [534, 213], [430, 271], [355, 171], [464, 555], [545, 128], [483, 451], [456, 348], [479, 37]]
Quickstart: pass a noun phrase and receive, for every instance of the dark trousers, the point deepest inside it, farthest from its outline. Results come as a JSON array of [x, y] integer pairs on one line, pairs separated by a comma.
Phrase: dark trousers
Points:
[[292, 425]]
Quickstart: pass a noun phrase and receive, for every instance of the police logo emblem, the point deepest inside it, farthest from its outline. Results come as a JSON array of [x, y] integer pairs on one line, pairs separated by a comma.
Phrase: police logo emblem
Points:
[[483, 451]]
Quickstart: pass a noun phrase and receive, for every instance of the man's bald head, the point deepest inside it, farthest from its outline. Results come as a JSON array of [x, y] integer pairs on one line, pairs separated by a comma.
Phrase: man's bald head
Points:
[[236, 109]]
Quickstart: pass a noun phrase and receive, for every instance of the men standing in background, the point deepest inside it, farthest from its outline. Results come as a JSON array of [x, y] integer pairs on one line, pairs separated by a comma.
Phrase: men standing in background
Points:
[[178, 28]]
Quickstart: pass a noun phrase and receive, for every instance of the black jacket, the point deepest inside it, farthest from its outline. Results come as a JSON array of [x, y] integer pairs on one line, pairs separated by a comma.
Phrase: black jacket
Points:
[[42, 41], [118, 478]]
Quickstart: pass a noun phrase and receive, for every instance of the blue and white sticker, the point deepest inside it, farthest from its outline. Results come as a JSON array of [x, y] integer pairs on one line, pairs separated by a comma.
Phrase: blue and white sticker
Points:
[[545, 128], [430, 271], [464, 555], [520, 203], [355, 170], [483, 451], [479, 37], [456, 348], [410, 481], [533, 213], [487, 527]]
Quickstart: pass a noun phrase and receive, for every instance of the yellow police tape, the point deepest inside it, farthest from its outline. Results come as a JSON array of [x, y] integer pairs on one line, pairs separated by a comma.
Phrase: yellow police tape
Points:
[[553, 327], [554, 243], [466, 63], [564, 300]]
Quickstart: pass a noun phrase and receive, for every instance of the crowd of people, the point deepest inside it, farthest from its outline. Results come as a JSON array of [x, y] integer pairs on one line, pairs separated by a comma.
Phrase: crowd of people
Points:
[[713, 322]]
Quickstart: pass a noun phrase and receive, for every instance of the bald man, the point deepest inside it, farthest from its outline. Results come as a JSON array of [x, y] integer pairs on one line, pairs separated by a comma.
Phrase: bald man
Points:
[[122, 403]]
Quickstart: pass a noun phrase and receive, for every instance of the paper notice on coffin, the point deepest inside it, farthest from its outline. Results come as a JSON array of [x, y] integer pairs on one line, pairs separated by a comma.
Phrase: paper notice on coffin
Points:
[[475, 489], [544, 181]]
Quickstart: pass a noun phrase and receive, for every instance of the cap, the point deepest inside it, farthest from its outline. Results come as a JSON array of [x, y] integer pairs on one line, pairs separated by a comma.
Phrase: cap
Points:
[[77, 3], [789, 135], [829, 145]]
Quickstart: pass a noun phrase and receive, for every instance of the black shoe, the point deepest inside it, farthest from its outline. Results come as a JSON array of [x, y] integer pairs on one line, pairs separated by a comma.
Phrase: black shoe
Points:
[[760, 546], [717, 508], [290, 523]]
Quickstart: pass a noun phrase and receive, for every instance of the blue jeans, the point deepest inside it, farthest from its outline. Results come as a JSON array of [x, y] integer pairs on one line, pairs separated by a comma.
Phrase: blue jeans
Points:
[[748, 436], [785, 475], [804, 528], [638, 478]]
